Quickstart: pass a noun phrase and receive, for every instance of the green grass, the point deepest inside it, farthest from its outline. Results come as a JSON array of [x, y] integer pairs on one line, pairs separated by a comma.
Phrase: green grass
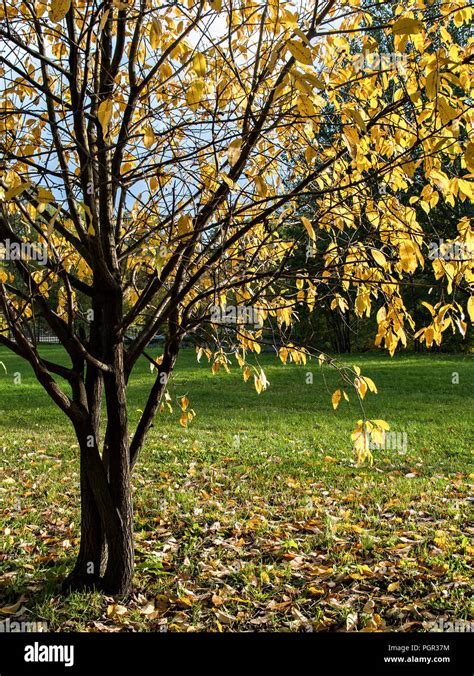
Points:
[[277, 529]]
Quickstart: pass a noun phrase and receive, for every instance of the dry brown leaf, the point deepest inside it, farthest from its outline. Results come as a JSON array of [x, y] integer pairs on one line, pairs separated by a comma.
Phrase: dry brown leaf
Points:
[[11, 610], [116, 610], [225, 618]]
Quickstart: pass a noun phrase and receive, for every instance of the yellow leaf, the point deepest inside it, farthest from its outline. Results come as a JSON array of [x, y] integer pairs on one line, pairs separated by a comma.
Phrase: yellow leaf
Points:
[[407, 26], [466, 187], [315, 81], [432, 84], [58, 9], [16, 190], [155, 33], [440, 179], [361, 386], [364, 569], [310, 153], [381, 423], [470, 308], [52, 222], [408, 256], [116, 610], [199, 65], [233, 151], [300, 52], [184, 602], [104, 114], [429, 306], [336, 398], [184, 403], [358, 119], [227, 179], [44, 196], [379, 258], [309, 227], [103, 19], [352, 139], [316, 591], [261, 186], [194, 94], [305, 106], [185, 224], [371, 384], [148, 137], [183, 421], [447, 112]]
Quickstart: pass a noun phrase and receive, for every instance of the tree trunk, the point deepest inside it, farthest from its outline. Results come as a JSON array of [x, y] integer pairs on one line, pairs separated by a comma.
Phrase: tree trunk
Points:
[[118, 574], [106, 522], [340, 334], [86, 571], [106, 555]]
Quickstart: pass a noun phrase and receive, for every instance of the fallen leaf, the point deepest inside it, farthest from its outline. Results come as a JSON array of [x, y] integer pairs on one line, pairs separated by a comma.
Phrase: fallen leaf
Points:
[[11, 610], [225, 618]]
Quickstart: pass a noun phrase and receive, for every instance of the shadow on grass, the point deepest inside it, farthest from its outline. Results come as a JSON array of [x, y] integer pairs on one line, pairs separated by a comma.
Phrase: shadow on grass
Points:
[[42, 599]]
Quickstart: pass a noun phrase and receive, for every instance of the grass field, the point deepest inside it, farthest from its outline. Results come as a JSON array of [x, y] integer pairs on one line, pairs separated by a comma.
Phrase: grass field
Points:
[[256, 517]]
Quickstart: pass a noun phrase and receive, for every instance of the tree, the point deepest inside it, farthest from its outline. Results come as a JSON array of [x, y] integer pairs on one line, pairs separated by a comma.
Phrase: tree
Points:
[[438, 218], [146, 149]]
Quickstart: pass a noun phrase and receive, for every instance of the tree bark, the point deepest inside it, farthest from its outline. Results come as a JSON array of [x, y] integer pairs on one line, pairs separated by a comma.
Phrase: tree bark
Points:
[[86, 571], [118, 574], [106, 555]]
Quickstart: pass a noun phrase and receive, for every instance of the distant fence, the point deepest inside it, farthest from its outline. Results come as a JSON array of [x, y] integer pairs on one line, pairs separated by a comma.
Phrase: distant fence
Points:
[[46, 338], [41, 337]]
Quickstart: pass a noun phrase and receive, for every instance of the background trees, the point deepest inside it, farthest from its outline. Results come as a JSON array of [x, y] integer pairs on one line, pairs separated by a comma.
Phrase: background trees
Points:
[[149, 148], [342, 331]]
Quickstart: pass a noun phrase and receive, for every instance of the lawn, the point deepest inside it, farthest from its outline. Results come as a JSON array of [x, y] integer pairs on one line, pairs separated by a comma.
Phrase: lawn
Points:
[[256, 517]]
